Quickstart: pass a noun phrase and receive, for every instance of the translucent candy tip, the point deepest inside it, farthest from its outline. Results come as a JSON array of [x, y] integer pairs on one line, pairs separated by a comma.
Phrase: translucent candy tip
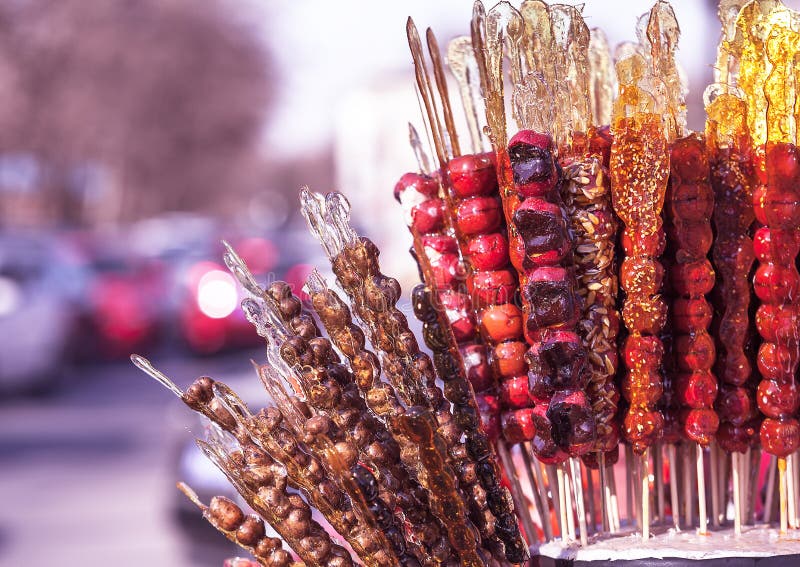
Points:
[[241, 272], [147, 367]]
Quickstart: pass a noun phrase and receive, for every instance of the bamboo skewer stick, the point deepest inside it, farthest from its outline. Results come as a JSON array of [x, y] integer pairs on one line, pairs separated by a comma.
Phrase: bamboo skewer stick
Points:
[[701, 491], [591, 500], [658, 470], [673, 486], [645, 478], [539, 494], [577, 484], [569, 499], [782, 494], [613, 501], [605, 494], [559, 501], [744, 480], [714, 455], [629, 508], [769, 499], [737, 495], [517, 496], [725, 477], [687, 486], [562, 501], [790, 492]]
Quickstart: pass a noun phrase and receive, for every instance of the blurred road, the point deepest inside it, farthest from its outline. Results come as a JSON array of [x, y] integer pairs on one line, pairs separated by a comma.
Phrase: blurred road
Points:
[[87, 475]]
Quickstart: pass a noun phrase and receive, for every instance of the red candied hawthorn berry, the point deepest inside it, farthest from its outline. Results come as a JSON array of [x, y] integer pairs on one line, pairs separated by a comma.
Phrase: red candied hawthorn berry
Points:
[[700, 425], [514, 392], [446, 268], [439, 244], [691, 314], [734, 405], [697, 390], [776, 284], [502, 322], [457, 306], [416, 186], [777, 400], [509, 356], [428, 216], [778, 246], [533, 167], [476, 365], [780, 437], [778, 323], [777, 362], [693, 278], [488, 251], [478, 215], [472, 175], [694, 351], [518, 425], [489, 288]]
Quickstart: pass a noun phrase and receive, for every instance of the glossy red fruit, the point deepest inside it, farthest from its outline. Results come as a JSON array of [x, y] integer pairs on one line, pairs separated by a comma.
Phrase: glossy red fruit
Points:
[[532, 164], [641, 274], [772, 245], [488, 251], [692, 202], [472, 175], [759, 200], [476, 365], [573, 422], [544, 447], [693, 278], [489, 407], [509, 358], [700, 425], [777, 400], [514, 392], [776, 284], [490, 288], [696, 390], [447, 270], [642, 428], [694, 352], [458, 308], [428, 216], [733, 437], [643, 352], [414, 185], [518, 425], [780, 437], [478, 215], [689, 160], [777, 362], [691, 315], [651, 245], [735, 405], [502, 322], [439, 244], [778, 323]]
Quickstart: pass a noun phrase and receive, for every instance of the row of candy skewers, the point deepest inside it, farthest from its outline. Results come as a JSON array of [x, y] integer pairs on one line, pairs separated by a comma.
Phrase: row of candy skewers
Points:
[[519, 249]]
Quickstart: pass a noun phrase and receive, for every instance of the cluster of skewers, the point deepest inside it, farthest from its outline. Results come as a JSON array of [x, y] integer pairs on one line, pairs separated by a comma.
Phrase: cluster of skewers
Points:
[[585, 282]]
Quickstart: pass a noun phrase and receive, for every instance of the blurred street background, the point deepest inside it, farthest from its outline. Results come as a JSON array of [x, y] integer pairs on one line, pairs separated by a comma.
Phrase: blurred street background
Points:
[[134, 135]]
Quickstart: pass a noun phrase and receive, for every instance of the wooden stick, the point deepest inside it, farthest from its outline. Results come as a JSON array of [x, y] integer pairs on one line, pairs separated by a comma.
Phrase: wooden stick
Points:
[[613, 501], [701, 490], [769, 500], [539, 494], [687, 486], [523, 511], [782, 494], [558, 498], [790, 492], [591, 500], [570, 500], [737, 495], [714, 455], [629, 496], [645, 477], [725, 482], [673, 486], [658, 470], [755, 474], [744, 480], [562, 501], [577, 484], [605, 494]]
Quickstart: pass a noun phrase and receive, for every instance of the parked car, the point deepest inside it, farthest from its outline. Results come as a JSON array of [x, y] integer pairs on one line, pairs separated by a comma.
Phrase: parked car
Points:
[[121, 308], [209, 315], [37, 310]]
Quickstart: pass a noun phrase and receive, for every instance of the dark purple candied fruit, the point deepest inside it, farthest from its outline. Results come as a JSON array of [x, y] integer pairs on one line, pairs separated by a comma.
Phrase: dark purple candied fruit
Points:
[[551, 303], [573, 422], [530, 163]]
